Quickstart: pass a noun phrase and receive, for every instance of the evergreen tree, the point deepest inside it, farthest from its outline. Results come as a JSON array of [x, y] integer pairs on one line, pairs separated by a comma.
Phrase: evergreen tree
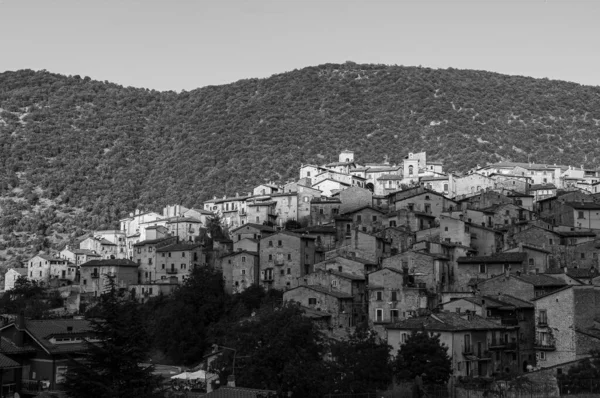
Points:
[[423, 354], [111, 367], [361, 364]]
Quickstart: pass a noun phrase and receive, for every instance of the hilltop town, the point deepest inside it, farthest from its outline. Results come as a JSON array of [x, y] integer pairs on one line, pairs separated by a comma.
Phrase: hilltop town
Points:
[[502, 260]]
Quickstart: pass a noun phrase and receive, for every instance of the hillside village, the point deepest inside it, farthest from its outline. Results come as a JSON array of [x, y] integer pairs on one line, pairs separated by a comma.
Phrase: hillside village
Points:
[[502, 260]]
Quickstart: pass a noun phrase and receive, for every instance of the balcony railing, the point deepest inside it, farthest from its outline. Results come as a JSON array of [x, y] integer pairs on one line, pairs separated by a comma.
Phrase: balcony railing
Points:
[[468, 350], [495, 344], [547, 345], [171, 271]]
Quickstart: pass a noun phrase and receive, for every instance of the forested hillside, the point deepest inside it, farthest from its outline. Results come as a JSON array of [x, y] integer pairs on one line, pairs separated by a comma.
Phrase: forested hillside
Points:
[[93, 151]]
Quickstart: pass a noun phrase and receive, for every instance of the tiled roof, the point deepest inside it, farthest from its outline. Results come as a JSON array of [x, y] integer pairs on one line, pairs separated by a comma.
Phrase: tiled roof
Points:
[[446, 321], [22, 271], [262, 203], [390, 177], [537, 187], [240, 252], [346, 275], [6, 362], [178, 247], [105, 242], [325, 290], [260, 227], [584, 205], [151, 241], [49, 258], [494, 258], [289, 233], [540, 280], [317, 229], [43, 330], [8, 347], [577, 273], [369, 207], [110, 263], [573, 234], [85, 251]]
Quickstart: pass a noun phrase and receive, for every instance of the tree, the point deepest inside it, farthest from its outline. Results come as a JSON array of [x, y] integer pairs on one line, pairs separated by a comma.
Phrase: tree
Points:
[[215, 227], [423, 353], [582, 377], [111, 367], [277, 349], [361, 364], [28, 297], [180, 322]]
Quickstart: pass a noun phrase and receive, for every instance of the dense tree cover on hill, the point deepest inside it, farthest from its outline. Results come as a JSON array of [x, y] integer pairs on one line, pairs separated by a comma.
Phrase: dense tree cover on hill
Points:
[[107, 149], [85, 147]]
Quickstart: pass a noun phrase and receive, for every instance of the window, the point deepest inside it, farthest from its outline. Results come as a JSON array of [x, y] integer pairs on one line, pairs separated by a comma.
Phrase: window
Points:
[[378, 315], [394, 315], [404, 337], [374, 218], [580, 214], [410, 170], [289, 271], [482, 268], [394, 296], [550, 241], [379, 296], [542, 356], [163, 266], [312, 301], [279, 243], [270, 257], [289, 256], [243, 259], [270, 243], [281, 272], [169, 254], [358, 218], [582, 256], [543, 320], [243, 272], [182, 254], [446, 229], [308, 173]]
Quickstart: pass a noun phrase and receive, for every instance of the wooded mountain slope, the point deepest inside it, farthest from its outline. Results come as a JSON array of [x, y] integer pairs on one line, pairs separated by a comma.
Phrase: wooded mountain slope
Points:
[[107, 149]]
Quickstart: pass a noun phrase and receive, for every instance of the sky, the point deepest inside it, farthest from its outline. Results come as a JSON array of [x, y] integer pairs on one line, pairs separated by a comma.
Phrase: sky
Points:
[[186, 44]]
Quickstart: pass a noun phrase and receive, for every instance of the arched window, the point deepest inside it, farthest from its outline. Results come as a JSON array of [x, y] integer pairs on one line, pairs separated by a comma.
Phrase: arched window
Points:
[[410, 170], [257, 219]]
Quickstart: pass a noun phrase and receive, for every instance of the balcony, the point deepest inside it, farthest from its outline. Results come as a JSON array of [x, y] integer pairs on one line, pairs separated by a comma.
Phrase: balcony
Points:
[[545, 345], [95, 275], [468, 350], [171, 271], [497, 344], [484, 356]]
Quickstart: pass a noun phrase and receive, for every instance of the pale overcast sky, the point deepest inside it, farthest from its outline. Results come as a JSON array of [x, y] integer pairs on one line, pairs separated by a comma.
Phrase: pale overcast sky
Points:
[[186, 44]]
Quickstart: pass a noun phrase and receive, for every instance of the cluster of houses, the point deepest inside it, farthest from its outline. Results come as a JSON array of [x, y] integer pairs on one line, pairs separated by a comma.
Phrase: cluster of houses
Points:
[[501, 261]]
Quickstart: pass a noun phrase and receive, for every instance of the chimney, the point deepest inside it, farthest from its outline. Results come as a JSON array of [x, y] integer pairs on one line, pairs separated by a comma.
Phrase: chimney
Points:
[[231, 381], [19, 336]]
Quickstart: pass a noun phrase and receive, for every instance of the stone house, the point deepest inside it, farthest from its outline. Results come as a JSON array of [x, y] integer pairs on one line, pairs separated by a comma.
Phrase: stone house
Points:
[[524, 287], [484, 240], [438, 183], [454, 230], [422, 200], [400, 239], [338, 304], [387, 183], [471, 184], [144, 255], [266, 189], [262, 212], [391, 299], [248, 244], [468, 338], [484, 199], [513, 182], [366, 218], [101, 246], [78, 256], [323, 210], [251, 230], [485, 267], [330, 186], [43, 268], [240, 270], [347, 265], [305, 194], [325, 236], [95, 274], [537, 258], [11, 276], [284, 257], [509, 311], [336, 281], [364, 245], [565, 325], [144, 291], [425, 270], [542, 191], [286, 207], [175, 262]]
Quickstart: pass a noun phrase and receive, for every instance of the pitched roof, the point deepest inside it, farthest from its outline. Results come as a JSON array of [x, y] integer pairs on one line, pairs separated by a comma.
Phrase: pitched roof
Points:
[[446, 321], [43, 330], [346, 275], [240, 252], [49, 258], [7, 363], [151, 241], [540, 280], [363, 208], [316, 229], [289, 233], [178, 247], [260, 227], [22, 271], [583, 206], [119, 262], [8, 347], [324, 290], [390, 177], [496, 258]]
